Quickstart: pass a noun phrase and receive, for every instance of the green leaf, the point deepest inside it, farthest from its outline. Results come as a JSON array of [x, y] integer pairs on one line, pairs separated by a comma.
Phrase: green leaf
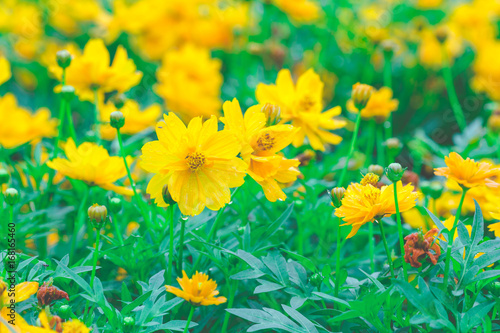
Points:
[[474, 316], [81, 282], [303, 260], [137, 302], [477, 233], [267, 286], [331, 298], [303, 321], [247, 274], [277, 264]]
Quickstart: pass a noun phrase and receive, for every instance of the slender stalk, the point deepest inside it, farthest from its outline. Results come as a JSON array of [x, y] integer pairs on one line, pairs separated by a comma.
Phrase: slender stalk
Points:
[[400, 231], [452, 94], [382, 232], [371, 247], [451, 235], [118, 232], [388, 84], [380, 146], [72, 131], [79, 223], [351, 149], [190, 317], [181, 244], [300, 238], [97, 120], [62, 109], [337, 264], [371, 142], [229, 305], [96, 256], [170, 217]]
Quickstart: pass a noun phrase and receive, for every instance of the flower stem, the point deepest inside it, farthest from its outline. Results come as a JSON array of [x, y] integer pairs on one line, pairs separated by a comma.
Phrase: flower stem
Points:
[[190, 317], [381, 225], [79, 222], [351, 149], [400, 231], [170, 217], [96, 256], [371, 142], [72, 131], [229, 305], [452, 95], [181, 244], [97, 120], [118, 232], [388, 84], [337, 264], [451, 235], [380, 146], [371, 247]]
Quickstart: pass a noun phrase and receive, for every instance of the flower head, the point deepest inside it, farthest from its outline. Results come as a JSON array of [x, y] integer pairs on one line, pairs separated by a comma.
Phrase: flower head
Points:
[[197, 290], [302, 11], [495, 228], [418, 244], [92, 164], [198, 163], [302, 105], [48, 294], [379, 106], [468, 173], [74, 326], [363, 204]]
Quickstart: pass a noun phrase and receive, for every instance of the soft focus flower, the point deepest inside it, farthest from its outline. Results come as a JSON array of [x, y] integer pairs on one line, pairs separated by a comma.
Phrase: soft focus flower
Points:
[[363, 204], [468, 173], [5, 72], [379, 106], [418, 244], [69, 15], [19, 126], [92, 164], [487, 70], [302, 105], [302, 11], [260, 147], [495, 228], [429, 4], [198, 163], [92, 71], [415, 219], [74, 326], [190, 82], [431, 51], [197, 290], [136, 120]]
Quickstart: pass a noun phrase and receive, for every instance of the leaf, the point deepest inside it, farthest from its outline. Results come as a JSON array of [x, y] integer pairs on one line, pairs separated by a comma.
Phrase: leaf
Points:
[[486, 275], [473, 317], [477, 233], [81, 282], [439, 224], [273, 227], [331, 298], [303, 260], [267, 319], [267, 286], [487, 259], [463, 234], [303, 321], [277, 264], [248, 274], [251, 260], [296, 302], [379, 285], [132, 305]]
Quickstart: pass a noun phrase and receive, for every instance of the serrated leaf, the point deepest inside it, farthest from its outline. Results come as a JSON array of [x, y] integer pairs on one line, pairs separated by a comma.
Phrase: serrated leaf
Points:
[[267, 286], [303, 321]]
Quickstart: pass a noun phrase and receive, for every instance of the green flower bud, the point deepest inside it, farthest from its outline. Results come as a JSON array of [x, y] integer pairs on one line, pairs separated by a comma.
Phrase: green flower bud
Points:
[[425, 187], [273, 114], [119, 100], [64, 311], [63, 58], [128, 324], [11, 196], [115, 205], [97, 215], [116, 119], [166, 196], [376, 169], [336, 195], [393, 144], [4, 176], [361, 94], [316, 279], [394, 172], [68, 93], [436, 189]]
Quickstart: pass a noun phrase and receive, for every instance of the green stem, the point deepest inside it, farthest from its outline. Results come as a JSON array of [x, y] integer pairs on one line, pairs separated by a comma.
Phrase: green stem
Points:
[[190, 317], [337, 264], [72, 131], [371, 246], [371, 142], [96, 256], [229, 305], [170, 217], [118, 232], [97, 121], [380, 146], [62, 109], [451, 235], [384, 240], [181, 245], [300, 238], [388, 84], [351, 149], [452, 95], [400, 231], [79, 223]]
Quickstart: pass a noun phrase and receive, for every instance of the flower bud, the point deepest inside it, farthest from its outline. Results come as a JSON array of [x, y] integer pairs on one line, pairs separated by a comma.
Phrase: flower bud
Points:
[[63, 58], [336, 195], [394, 172], [4, 176], [273, 114], [97, 215], [436, 189], [361, 94], [128, 324], [441, 34], [11, 196], [425, 187], [116, 119], [64, 311], [376, 169], [115, 205], [316, 279], [167, 198], [388, 46], [393, 144], [68, 93], [494, 123], [119, 100], [370, 179]]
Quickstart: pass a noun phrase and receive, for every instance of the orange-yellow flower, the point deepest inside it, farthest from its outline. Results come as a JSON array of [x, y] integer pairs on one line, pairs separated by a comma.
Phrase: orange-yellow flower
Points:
[[303, 11], [495, 227], [92, 164], [92, 71], [260, 147], [468, 173], [363, 204], [198, 163], [5, 72], [197, 290], [302, 105], [379, 106]]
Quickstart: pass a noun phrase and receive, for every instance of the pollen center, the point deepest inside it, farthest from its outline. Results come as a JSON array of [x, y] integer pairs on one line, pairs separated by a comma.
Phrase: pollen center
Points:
[[306, 103], [195, 160], [371, 194], [370, 178], [266, 142]]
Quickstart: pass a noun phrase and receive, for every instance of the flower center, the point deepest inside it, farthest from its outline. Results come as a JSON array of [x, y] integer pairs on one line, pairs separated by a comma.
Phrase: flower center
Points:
[[306, 103], [195, 160], [266, 142], [371, 194], [370, 178]]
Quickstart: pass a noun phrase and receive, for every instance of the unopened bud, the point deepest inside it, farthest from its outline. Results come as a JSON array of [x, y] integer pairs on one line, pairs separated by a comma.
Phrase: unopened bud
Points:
[[128, 324], [119, 100], [388, 46], [116, 119], [394, 172], [336, 195], [316, 279], [97, 215], [63, 58], [115, 205], [64, 311], [393, 144], [376, 169], [361, 94], [436, 189], [4, 177], [273, 114], [167, 198], [11, 196], [441, 34], [68, 93]]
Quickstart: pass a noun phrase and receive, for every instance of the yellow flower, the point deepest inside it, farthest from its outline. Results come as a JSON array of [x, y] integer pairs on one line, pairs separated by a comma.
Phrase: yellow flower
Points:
[[468, 173], [190, 82], [92, 71], [487, 70], [414, 219], [495, 227], [23, 291], [74, 326], [363, 204], [135, 120], [430, 50], [69, 15], [302, 104], [379, 106], [429, 4], [198, 163], [48, 57], [92, 164], [18, 125], [197, 290], [260, 145], [5, 72], [302, 11]]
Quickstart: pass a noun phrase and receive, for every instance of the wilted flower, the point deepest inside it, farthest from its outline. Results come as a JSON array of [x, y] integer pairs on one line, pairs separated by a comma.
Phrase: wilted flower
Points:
[[197, 290], [48, 294], [418, 244]]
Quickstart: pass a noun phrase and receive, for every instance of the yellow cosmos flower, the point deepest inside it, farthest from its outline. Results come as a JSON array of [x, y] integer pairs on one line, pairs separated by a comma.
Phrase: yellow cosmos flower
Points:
[[495, 227], [197, 290], [260, 145], [379, 106], [429, 4], [468, 173], [198, 163], [71, 14], [5, 72], [92, 164], [430, 50], [19, 126], [74, 326], [487, 70], [363, 204], [190, 82], [302, 11], [302, 105], [92, 70], [136, 120]]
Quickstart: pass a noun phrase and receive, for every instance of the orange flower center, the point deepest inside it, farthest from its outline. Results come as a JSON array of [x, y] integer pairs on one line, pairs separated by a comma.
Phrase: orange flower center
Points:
[[370, 178], [372, 194], [306, 103], [195, 160], [266, 142]]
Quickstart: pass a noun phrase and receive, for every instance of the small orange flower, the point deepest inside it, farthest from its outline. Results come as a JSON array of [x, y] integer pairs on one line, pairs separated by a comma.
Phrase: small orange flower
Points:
[[468, 173], [418, 244], [197, 290]]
